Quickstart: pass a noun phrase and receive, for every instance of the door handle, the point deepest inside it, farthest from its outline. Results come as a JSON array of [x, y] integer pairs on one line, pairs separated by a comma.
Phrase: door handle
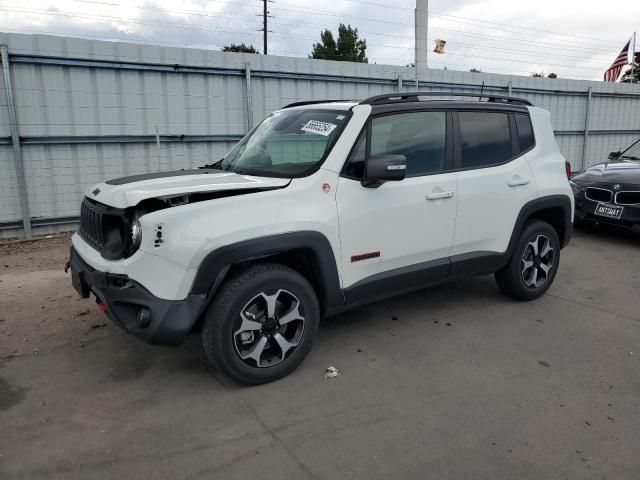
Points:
[[517, 182], [439, 195]]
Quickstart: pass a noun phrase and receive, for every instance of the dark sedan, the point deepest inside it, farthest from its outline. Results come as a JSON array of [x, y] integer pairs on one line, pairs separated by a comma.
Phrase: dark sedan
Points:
[[610, 192]]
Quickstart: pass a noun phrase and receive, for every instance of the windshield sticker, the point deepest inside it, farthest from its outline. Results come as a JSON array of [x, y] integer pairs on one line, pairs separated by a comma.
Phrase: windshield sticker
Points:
[[321, 128], [340, 117]]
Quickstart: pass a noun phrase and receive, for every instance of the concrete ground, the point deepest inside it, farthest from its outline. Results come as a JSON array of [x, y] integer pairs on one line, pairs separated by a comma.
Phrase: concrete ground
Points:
[[453, 382]]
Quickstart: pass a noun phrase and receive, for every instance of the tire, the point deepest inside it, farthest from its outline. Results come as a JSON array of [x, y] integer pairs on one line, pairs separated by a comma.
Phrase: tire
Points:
[[517, 279], [244, 341]]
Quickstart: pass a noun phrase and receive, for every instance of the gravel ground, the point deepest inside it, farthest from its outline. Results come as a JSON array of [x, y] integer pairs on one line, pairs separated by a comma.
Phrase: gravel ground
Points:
[[452, 382]]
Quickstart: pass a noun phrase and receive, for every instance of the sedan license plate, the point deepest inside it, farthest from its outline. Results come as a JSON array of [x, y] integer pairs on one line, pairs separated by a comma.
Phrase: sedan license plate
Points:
[[609, 211]]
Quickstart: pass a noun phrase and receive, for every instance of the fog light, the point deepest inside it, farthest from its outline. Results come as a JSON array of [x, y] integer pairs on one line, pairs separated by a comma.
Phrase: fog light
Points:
[[144, 317]]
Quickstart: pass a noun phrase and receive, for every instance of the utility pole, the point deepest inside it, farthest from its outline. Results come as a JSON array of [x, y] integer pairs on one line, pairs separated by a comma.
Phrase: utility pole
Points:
[[265, 15], [421, 40]]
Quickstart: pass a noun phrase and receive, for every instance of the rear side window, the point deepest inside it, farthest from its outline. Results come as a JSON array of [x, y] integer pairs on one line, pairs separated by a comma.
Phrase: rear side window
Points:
[[485, 138], [419, 136], [525, 131]]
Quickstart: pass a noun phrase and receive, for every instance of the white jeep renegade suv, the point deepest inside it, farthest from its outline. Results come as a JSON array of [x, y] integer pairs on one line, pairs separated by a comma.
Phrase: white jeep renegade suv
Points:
[[322, 207]]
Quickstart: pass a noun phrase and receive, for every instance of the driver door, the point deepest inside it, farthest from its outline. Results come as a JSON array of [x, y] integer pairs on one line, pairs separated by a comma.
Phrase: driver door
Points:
[[399, 235]]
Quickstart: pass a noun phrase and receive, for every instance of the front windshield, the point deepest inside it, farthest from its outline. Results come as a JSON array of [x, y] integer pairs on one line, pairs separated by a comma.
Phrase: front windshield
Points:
[[632, 153], [288, 143]]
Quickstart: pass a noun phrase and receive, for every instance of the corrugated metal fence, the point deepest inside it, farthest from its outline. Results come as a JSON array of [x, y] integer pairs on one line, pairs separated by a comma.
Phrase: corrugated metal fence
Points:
[[81, 111]]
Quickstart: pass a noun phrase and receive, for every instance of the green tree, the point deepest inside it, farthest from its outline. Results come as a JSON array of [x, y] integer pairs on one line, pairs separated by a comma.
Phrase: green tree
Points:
[[537, 74], [475, 70], [348, 48], [552, 75], [241, 48], [633, 74]]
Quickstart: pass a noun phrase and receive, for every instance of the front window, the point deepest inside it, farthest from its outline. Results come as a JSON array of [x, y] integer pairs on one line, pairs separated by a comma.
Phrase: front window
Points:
[[632, 153], [419, 136], [288, 143]]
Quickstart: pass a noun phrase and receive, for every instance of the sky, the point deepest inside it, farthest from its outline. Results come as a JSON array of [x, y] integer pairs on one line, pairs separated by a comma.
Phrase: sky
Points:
[[574, 39]]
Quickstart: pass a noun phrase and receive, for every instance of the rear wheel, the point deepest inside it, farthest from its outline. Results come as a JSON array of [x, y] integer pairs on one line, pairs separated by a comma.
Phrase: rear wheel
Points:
[[261, 324], [534, 263]]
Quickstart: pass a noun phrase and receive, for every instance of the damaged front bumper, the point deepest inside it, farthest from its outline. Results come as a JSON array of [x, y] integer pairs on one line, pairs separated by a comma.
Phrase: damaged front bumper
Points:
[[133, 308]]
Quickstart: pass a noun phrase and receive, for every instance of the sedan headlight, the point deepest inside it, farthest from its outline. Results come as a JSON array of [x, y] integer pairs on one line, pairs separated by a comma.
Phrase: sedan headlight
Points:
[[576, 188]]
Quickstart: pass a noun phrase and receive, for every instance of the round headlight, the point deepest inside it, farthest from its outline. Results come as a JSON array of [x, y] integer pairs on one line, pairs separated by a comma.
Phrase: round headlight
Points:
[[136, 234]]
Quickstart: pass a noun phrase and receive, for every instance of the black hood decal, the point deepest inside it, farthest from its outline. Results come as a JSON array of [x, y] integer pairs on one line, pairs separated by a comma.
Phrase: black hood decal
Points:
[[152, 176], [153, 204]]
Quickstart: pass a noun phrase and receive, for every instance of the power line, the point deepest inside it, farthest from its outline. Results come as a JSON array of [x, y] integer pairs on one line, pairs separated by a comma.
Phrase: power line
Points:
[[326, 12], [557, 42], [462, 32], [102, 38], [517, 41], [105, 18], [520, 27], [329, 13], [218, 30], [528, 53], [198, 27], [302, 54]]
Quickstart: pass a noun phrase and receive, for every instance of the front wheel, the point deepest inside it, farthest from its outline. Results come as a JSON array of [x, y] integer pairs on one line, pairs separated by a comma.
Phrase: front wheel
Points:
[[261, 324], [533, 264]]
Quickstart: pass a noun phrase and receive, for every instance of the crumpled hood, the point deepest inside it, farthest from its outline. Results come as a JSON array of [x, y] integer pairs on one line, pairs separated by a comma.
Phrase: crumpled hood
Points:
[[129, 191], [612, 172]]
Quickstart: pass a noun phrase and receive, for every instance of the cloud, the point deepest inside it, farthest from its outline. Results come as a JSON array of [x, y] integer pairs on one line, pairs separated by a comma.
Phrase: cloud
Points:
[[514, 38]]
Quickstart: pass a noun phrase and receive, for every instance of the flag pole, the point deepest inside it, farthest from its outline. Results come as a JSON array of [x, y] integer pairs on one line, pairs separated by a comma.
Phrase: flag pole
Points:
[[633, 58]]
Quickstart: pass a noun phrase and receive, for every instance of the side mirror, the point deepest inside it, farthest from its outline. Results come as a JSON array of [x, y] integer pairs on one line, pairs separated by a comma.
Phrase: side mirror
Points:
[[384, 168], [615, 155]]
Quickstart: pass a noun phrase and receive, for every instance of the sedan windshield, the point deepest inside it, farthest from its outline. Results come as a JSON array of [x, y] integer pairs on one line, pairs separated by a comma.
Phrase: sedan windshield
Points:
[[288, 143], [632, 153]]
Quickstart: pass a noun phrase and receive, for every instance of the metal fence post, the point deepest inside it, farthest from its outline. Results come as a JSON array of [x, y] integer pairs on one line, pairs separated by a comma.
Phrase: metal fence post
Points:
[[399, 82], [587, 118], [15, 142], [249, 106], [509, 88]]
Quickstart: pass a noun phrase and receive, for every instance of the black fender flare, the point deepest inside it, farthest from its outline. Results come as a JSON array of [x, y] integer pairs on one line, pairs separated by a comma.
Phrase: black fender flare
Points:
[[562, 202], [216, 264]]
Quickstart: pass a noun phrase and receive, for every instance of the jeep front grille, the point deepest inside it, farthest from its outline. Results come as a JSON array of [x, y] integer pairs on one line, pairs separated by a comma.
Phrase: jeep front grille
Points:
[[91, 225], [106, 229]]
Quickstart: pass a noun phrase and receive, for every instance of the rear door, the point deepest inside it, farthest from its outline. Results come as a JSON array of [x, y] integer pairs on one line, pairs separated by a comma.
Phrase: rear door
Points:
[[494, 178], [402, 228]]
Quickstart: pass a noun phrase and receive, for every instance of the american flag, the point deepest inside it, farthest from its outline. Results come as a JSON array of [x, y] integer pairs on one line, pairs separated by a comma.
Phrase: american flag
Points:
[[612, 74]]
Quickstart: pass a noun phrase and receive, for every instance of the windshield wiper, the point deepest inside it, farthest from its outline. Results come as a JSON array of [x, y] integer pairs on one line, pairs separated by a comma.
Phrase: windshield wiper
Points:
[[217, 165], [630, 158]]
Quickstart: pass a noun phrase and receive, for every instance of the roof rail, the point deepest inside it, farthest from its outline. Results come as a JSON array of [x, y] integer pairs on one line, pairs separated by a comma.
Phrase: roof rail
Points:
[[401, 97], [313, 102]]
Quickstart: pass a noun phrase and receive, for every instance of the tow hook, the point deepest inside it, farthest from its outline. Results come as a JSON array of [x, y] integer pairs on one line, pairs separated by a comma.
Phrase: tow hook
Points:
[[102, 307]]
